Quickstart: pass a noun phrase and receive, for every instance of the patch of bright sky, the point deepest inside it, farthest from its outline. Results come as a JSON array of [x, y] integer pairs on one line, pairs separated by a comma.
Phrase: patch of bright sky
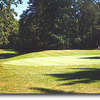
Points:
[[20, 8]]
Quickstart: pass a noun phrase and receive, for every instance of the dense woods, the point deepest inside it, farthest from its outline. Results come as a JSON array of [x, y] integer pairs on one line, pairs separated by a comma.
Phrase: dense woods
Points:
[[50, 24]]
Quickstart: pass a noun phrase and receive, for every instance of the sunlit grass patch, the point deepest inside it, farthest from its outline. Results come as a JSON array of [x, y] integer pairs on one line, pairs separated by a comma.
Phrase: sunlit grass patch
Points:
[[56, 61]]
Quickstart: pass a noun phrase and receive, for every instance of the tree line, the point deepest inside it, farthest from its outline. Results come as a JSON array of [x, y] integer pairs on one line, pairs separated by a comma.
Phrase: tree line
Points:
[[50, 24]]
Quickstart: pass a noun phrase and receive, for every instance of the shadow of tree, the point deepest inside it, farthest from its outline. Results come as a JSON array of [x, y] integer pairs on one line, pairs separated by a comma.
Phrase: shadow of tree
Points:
[[87, 76], [90, 58], [51, 91], [46, 91], [7, 55]]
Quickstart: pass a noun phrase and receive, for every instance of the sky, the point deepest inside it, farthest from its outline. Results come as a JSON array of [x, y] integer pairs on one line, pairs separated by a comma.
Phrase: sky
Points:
[[20, 8]]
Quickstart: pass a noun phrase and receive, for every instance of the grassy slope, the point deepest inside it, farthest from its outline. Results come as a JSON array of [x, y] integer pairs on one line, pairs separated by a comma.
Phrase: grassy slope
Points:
[[54, 71]]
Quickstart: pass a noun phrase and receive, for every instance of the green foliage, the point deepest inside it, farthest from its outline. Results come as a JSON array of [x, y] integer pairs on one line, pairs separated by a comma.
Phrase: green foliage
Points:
[[87, 21], [43, 25], [8, 25], [51, 24], [5, 26]]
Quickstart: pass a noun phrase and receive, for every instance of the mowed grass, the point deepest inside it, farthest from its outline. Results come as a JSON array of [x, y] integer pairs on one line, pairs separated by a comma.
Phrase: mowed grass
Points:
[[50, 72]]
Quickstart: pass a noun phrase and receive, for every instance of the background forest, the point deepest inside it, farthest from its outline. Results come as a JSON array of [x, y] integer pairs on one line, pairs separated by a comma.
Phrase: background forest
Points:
[[50, 24]]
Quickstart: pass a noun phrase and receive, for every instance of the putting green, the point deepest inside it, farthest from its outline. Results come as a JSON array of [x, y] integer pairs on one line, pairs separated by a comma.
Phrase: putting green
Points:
[[57, 61]]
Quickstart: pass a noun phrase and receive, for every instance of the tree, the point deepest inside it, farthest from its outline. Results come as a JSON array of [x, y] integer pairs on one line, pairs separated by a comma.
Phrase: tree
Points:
[[6, 20], [89, 13], [58, 24], [43, 22]]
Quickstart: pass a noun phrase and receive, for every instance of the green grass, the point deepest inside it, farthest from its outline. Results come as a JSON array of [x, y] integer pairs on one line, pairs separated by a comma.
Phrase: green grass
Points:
[[51, 71]]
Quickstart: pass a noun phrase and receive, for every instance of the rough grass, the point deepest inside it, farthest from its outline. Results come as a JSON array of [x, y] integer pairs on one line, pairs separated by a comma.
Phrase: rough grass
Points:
[[50, 72]]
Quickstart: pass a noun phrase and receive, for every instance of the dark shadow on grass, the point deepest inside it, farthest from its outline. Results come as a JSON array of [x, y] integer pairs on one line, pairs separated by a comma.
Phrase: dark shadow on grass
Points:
[[90, 58], [10, 55], [46, 91], [51, 91], [85, 76], [7, 55]]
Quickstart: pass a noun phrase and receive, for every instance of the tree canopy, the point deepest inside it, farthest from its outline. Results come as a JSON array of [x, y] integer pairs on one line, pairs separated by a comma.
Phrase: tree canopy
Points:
[[7, 21], [51, 24]]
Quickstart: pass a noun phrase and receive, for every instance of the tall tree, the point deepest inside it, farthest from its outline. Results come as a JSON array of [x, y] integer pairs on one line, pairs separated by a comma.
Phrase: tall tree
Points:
[[44, 25], [89, 13], [58, 24], [6, 20]]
